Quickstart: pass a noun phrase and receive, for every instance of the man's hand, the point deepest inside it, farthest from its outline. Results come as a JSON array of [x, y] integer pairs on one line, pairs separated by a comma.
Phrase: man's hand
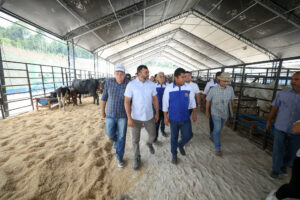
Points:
[[130, 122], [103, 115], [296, 127], [198, 108], [268, 126], [194, 117], [166, 120], [156, 117], [207, 114]]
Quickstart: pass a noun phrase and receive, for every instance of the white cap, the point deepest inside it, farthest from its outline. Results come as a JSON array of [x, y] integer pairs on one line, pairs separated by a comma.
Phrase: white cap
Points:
[[120, 68]]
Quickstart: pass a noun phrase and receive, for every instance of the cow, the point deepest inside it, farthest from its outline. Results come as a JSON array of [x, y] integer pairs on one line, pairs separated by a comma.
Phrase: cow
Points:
[[101, 82], [73, 95], [88, 86], [63, 94]]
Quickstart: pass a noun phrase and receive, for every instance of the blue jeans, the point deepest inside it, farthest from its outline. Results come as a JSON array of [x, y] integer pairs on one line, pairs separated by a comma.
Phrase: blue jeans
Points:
[[186, 134], [116, 129], [218, 124], [284, 141]]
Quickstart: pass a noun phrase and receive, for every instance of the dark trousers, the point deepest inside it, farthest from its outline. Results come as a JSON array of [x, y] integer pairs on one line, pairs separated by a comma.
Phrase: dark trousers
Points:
[[291, 190], [160, 123], [186, 134]]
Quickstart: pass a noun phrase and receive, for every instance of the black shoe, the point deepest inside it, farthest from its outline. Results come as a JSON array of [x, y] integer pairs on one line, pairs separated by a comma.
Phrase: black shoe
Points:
[[164, 134], [155, 140], [274, 175], [136, 163], [283, 171], [151, 149], [174, 160], [182, 151]]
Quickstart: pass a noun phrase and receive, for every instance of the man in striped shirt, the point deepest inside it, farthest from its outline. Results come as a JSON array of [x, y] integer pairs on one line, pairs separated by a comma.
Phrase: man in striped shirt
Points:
[[116, 118]]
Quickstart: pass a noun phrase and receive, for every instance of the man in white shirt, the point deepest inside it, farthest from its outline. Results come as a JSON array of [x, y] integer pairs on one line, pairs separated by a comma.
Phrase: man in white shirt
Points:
[[195, 89], [142, 93]]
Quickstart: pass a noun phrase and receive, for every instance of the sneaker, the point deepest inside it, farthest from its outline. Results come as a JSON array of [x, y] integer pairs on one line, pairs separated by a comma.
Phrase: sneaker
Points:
[[272, 195], [151, 149], [218, 153], [283, 171], [274, 175], [182, 151], [164, 134], [174, 160], [136, 163], [120, 163], [155, 140]]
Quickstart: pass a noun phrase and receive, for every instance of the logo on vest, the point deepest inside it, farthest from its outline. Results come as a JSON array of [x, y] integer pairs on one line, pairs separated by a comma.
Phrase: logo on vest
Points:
[[186, 94]]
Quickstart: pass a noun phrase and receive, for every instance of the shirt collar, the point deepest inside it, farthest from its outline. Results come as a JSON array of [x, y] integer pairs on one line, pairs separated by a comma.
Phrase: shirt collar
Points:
[[174, 85], [164, 83]]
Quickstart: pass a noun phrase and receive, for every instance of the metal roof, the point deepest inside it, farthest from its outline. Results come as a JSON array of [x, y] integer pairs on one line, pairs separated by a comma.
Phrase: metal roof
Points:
[[196, 34]]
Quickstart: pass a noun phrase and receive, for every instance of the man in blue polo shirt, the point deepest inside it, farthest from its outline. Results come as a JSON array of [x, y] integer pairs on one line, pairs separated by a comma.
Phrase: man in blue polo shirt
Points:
[[116, 118], [177, 100], [161, 84], [287, 106]]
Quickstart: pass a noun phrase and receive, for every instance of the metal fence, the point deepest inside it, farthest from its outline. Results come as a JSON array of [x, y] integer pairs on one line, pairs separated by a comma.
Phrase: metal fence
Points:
[[22, 82]]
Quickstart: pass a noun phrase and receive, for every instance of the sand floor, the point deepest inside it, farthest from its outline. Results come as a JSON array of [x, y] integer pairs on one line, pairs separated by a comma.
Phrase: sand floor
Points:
[[56, 154]]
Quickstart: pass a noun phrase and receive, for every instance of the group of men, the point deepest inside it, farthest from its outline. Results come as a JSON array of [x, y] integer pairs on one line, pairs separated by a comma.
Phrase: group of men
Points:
[[142, 103]]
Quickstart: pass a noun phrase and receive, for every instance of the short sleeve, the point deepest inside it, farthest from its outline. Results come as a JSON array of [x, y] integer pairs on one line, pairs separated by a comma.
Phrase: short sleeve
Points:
[[206, 89], [276, 102], [192, 103], [196, 88], [128, 90], [210, 95], [154, 92], [105, 92], [166, 100]]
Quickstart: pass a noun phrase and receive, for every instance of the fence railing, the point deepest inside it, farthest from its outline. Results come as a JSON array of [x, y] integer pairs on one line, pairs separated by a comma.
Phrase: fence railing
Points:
[[23, 82]]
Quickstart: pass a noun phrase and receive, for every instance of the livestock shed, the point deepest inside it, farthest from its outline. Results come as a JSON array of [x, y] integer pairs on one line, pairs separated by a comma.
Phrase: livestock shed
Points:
[[55, 154]]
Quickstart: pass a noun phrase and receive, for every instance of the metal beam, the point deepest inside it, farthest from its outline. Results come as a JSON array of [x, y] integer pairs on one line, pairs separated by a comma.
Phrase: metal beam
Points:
[[138, 58], [140, 32], [112, 18], [172, 55], [142, 51], [281, 12], [197, 52], [78, 18], [180, 64], [236, 35], [141, 44], [116, 16], [185, 55]]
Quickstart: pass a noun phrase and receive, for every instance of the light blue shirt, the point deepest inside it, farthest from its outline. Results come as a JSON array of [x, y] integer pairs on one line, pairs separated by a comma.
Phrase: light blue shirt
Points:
[[141, 95], [288, 104]]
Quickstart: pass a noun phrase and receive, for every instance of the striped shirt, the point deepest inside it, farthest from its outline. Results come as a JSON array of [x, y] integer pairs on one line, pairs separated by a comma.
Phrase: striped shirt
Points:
[[220, 99], [113, 94]]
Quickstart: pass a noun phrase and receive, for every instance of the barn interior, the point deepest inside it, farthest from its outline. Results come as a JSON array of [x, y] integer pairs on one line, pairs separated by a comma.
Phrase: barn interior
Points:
[[256, 41]]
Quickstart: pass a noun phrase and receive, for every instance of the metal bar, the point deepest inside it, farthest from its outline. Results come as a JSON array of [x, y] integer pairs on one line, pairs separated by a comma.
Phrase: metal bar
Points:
[[53, 79], [207, 75], [287, 76], [69, 62], [62, 76], [29, 86], [239, 100], [116, 16], [19, 107], [43, 79], [277, 80], [4, 107], [73, 49]]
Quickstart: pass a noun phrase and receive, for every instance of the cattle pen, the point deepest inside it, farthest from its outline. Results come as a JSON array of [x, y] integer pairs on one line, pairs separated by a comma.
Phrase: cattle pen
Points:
[[51, 153]]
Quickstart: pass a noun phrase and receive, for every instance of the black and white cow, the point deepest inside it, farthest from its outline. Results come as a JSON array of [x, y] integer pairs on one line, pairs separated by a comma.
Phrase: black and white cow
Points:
[[63, 94], [88, 86]]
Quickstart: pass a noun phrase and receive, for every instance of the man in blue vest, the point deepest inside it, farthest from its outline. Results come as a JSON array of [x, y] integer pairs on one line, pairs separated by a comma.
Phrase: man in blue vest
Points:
[[161, 84], [178, 98]]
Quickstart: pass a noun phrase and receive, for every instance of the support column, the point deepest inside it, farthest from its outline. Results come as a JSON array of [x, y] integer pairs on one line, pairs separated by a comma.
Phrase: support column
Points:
[[239, 100], [69, 62], [73, 48], [3, 98]]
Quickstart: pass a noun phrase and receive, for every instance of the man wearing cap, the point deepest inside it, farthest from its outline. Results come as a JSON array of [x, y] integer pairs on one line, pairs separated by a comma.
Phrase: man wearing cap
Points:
[[220, 101], [207, 88], [140, 95], [116, 118]]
